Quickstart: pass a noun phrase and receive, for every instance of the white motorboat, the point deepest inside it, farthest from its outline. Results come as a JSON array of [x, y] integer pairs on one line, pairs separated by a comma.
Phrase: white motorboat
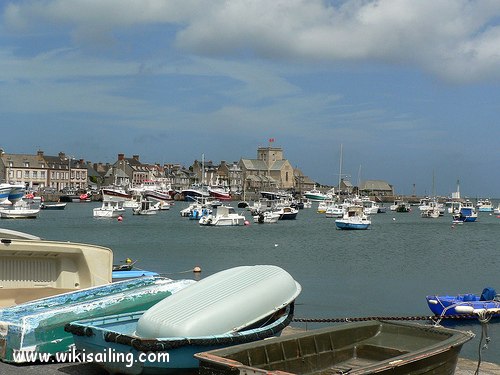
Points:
[[146, 207], [286, 212], [354, 218], [112, 208], [20, 210], [266, 217], [335, 210], [224, 216], [370, 207]]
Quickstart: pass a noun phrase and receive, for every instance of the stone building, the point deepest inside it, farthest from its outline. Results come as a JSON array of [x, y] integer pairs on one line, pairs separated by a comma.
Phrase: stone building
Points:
[[269, 171], [40, 171], [377, 188]]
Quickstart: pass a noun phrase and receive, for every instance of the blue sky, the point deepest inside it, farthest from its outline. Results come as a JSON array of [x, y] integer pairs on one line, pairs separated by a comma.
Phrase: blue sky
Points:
[[409, 88]]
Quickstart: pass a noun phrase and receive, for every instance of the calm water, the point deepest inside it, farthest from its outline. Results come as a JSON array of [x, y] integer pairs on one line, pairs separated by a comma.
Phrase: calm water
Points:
[[385, 271]]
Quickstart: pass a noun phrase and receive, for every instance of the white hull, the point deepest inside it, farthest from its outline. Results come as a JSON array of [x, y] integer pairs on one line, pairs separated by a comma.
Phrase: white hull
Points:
[[99, 212], [19, 213]]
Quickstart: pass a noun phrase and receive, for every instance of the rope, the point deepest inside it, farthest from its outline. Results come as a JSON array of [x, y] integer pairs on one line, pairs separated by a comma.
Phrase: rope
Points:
[[484, 318]]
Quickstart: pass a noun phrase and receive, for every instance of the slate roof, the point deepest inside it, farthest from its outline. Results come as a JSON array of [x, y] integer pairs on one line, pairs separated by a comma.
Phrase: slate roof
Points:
[[377, 185]]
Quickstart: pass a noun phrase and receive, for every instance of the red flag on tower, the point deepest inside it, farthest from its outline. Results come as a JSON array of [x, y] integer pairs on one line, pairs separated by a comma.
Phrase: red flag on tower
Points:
[[271, 140]]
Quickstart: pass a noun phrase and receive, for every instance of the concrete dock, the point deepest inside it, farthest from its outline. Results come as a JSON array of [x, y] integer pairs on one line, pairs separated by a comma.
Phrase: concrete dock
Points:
[[464, 367]]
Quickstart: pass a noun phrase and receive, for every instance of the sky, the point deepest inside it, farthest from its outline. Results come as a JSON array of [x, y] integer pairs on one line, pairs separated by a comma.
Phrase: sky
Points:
[[409, 90]]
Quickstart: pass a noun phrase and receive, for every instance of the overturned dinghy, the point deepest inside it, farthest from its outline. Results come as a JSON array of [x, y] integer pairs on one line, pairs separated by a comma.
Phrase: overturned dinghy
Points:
[[234, 306]]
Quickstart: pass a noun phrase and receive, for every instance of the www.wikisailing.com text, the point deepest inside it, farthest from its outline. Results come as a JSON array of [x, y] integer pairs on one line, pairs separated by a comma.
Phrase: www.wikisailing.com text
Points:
[[106, 356]]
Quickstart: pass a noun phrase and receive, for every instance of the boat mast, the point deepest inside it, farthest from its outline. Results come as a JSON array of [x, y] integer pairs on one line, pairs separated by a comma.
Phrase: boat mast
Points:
[[202, 169], [340, 167]]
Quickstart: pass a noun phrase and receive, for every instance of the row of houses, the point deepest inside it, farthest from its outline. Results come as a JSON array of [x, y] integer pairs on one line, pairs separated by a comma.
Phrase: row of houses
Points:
[[269, 171]]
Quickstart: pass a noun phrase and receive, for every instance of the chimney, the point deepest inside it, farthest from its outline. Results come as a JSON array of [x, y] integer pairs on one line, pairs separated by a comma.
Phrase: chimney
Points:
[[135, 157], [121, 156], [39, 153], [62, 155]]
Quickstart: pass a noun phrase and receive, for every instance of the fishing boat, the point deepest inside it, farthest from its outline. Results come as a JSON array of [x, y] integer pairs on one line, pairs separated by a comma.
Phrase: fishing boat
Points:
[[16, 193], [224, 216], [266, 217], [467, 213], [195, 192], [110, 209], [465, 304], [353, 218], [115, 194], [4, 193], [375, 347], [31, 268], [219, 192], [215, 312], [38, 326]]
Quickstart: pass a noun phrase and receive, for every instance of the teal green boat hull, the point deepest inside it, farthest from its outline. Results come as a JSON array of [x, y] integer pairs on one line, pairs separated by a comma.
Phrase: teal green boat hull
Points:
[[38, 326]]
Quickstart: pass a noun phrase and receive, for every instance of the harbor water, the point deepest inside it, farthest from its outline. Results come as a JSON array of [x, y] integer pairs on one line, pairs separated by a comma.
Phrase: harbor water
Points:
[[384, 271]]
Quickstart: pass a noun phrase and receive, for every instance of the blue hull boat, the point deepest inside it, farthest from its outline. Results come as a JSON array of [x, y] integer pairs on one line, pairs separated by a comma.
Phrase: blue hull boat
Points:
[[132, 274], [234, 306], [38, 326], [350, 226], [465, 305]]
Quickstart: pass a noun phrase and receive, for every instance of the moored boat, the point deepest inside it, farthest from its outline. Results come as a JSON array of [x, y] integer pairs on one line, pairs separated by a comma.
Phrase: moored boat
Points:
[[375, 347], [266, 217], [464, 304], [19, 210], [286, 212], [354, 218], [109, 209], [467, 213], [315, 195], [4, 192], [31, 268], [203, 316], [223, 216], [38, 326], [52, 206], [115, 194], [146, 207]]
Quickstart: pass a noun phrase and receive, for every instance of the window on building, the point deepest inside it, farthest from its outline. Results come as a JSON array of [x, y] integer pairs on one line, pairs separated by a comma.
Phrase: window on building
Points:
[[286, 176], [26, 174], [26, 164], [35, 174], [42, 174]]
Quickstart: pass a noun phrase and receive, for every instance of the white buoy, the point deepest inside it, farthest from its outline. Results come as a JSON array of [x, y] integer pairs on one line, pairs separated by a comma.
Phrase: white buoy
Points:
[[197, 269]]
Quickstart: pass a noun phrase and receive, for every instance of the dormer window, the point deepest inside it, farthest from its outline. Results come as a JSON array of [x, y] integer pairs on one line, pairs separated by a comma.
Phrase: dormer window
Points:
[[26, 164]]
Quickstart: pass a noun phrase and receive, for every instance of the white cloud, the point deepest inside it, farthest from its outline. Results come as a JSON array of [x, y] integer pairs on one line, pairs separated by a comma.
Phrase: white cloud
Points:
[[455, 39]]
